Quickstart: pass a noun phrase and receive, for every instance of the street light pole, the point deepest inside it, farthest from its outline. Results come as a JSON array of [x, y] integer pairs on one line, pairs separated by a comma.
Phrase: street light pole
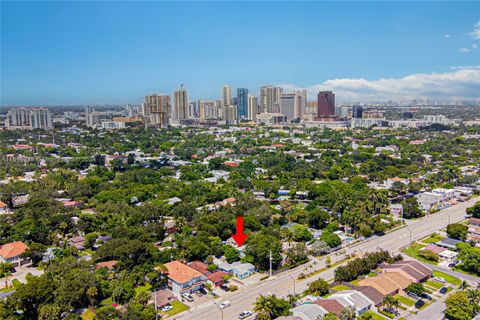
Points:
[[293, 283], [221, 310]]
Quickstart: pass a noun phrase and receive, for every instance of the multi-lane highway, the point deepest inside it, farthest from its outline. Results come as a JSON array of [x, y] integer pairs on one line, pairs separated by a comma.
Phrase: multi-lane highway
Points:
[[283, 284]]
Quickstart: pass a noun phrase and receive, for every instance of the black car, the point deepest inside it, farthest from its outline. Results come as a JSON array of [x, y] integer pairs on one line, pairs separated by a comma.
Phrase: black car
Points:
[[419, 304], [443, 290], [426, 296]]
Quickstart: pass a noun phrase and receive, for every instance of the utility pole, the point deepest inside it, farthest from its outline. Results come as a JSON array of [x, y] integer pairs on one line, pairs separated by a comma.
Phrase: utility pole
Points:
[[221, 310], [293, 283], [270, 263]]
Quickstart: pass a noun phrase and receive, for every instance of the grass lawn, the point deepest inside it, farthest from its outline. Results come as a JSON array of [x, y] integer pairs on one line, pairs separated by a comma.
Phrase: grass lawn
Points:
[[177, 308], [88, 315], [372, 315], [434, 284], [143, 288], [372, 274], [106, 302], [406, 301], [340, 288], [432, 238], [355, 282], [447, 277], [7, 289], [413, 252]]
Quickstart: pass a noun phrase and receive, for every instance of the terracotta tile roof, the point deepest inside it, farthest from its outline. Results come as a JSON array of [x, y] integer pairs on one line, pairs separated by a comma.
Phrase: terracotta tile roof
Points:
[[106, 264], [3, 204], [434, 248], [217, 276], [199, 266], [330, 305], [180, 272], [12, 249]]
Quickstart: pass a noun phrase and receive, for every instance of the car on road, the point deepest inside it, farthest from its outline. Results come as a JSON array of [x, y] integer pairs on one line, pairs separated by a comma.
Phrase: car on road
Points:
[[244, 315], [439, 279], [224, 304], [419, 304], [167, 308], [443, 290], [188, 297]]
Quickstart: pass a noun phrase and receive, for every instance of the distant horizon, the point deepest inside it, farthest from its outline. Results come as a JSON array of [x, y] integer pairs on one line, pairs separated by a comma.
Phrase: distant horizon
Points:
[[97, 53]]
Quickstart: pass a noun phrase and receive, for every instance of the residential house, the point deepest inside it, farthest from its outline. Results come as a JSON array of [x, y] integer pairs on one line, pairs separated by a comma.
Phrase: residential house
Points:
[[410, 269], [110, 265], [3, 207], [239, 269], [448, 243], [77, 242], [309, 312], [330, 305], [162, 297], [183, 279], [199, 266], [389, 283], [354, 299], [217, 278], [11, 252]]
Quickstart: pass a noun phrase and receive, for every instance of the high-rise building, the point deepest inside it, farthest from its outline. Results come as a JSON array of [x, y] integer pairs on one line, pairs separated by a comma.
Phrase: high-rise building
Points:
[[156, 110], [29, 118], [252, 107], [270, 99], [180, 100], [226, 95], [326, 104], [293, 104], [357, 112], [208, 110], [242, 103], [230, 114]]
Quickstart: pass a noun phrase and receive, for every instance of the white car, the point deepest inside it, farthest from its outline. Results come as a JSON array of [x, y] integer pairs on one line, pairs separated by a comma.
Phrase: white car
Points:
[[439, 279], [167, 308], [224, 304], [244, 314], [187, 297]]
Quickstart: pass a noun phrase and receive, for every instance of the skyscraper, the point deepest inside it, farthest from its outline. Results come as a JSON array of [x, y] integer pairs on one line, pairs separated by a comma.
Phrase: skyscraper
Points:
[[270, 99], [156, 110], [252, 107], [326, 104], [242, 103], [180, 100], [357, 112], [226, 95], [29, 118], [230, 114]]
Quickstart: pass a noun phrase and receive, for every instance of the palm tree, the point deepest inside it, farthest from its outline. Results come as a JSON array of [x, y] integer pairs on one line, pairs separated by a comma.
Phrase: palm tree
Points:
[[390, 302], [6, 271], [92, 294], [263, 306], [464, 285], [348, 313]]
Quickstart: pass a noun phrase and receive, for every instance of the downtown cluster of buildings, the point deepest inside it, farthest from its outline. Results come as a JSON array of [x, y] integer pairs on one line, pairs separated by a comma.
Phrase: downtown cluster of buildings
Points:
[[272, 106]]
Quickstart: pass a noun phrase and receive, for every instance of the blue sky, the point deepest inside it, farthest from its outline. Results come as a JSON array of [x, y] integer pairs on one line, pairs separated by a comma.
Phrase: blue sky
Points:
[[116, 52]]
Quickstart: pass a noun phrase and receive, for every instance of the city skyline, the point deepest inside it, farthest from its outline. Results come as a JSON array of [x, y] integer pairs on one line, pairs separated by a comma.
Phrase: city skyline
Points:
[[101, 53]]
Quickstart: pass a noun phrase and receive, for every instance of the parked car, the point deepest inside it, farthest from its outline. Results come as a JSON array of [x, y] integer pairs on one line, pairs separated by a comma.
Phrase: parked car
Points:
[[224, 304], [188, 297], [224, 288], [426, 296], [439, 279], [413, 295], [419, 304], [244, 314], [443, 290], [167, 308]]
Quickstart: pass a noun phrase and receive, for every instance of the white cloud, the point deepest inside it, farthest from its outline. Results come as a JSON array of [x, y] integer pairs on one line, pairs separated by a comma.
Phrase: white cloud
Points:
[[475, 34], [446, 35], [464, 50], [474, 46], [462, 83]]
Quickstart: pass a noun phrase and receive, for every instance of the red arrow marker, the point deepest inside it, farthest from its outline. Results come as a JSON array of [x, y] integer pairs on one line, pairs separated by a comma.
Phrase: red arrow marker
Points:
[[239, 237]]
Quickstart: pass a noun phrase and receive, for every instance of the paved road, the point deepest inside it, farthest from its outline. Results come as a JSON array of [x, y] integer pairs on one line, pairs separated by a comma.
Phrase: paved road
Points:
[[282, 284]]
